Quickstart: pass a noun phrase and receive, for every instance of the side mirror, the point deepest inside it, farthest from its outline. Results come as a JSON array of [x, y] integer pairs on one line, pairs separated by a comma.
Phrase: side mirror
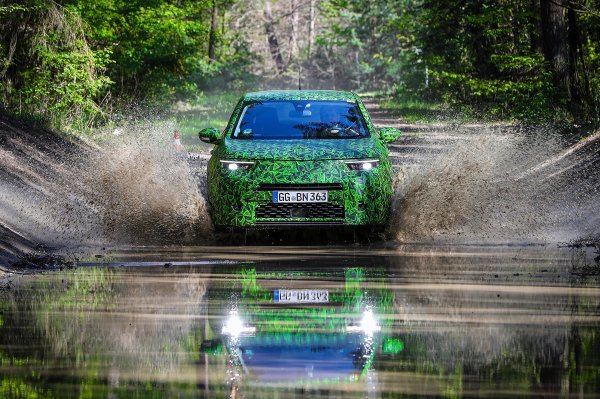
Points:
[[392, 345], [389, 134], [209, 135], [211, 347]]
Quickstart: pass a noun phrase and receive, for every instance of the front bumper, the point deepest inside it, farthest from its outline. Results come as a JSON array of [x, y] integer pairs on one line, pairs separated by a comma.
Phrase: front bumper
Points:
[[244, 198]]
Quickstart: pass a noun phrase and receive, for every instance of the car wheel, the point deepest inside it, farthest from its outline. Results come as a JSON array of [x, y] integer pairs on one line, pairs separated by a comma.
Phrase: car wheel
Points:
[[369, 234]]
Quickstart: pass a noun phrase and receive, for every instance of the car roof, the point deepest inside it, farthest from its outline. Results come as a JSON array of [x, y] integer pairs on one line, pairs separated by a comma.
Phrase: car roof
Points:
[[300, 95]]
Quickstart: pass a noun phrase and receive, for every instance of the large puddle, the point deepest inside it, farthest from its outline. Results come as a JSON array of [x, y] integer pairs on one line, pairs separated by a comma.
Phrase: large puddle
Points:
[[402, 321]]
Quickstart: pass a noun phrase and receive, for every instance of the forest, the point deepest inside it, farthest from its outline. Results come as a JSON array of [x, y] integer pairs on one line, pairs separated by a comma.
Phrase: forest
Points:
[[74, 64], [145, 253]]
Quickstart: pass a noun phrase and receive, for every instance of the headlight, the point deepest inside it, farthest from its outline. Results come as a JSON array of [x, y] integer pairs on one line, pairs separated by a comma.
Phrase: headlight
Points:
[[236, 165], [368, 324], [235, 327], [363, 164]]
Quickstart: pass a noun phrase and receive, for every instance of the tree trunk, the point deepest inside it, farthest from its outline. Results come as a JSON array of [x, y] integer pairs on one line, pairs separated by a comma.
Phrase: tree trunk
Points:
[[294, 33], [272, 39], [311, 27], [535, 27], [574, 41], [581, 92], [212, 37], [479, 44], [554, 41]]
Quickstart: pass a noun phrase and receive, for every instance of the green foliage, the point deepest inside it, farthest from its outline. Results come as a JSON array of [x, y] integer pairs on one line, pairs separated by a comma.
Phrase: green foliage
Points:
[[160, 48], [63, 86], [365, 45], [70, 63], [156, 45], [590, 26], [519, 95], [48, 69], [482, 58]]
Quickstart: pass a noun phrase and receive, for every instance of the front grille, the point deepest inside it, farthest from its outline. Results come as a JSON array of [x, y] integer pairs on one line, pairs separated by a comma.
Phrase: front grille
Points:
[[301, 223], [299, 186], [312, 210]]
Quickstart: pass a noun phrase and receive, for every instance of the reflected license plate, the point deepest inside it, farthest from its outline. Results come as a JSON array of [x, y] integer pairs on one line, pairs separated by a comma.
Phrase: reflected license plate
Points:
[[301, 296], [299, 196]]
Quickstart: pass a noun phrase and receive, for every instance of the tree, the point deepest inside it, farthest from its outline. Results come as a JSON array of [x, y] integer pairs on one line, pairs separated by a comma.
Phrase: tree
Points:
[[47, 67], [212, 38], [554, 41], [272, 39]]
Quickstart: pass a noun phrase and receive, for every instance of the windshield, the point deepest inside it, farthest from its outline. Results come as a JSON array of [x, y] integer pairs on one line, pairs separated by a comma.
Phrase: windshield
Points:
[[300, 119]]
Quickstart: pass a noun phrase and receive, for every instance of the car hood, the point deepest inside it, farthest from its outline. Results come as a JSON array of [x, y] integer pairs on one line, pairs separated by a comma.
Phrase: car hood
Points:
[[300, 150]]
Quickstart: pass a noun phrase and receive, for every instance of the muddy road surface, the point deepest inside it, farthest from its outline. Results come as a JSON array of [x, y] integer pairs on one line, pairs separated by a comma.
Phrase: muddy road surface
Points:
[[291, 322], [470, 293]]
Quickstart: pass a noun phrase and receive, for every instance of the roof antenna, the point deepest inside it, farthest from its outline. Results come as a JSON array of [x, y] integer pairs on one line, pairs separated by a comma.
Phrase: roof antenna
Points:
[[299, 76]]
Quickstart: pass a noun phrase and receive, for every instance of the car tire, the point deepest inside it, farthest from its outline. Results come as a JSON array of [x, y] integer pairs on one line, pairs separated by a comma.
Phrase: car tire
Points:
[[369, 234]]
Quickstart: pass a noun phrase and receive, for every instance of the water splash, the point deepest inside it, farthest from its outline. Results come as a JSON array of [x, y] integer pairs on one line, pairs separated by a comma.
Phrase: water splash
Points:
[[498, 186], [147, 190], [132, 188], [494, 185]]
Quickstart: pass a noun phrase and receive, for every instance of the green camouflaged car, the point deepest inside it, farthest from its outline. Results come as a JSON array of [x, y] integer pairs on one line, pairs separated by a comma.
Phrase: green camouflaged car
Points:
[[299, 158]]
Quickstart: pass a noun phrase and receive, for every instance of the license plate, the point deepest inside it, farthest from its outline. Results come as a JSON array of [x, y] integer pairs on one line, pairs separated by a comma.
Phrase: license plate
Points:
[[299, 196], [300, 296]]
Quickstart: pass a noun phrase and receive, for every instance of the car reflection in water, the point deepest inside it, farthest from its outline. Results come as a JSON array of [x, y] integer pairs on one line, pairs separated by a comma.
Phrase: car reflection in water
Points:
[[307, 342]]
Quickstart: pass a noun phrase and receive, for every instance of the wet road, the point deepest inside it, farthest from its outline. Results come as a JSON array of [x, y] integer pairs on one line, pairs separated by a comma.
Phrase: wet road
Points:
[[384, 321]]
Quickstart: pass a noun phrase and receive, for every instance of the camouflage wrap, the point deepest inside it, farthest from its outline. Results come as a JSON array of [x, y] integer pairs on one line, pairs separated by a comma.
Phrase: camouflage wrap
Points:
[[348, 298], [328, 337], [235, 195]]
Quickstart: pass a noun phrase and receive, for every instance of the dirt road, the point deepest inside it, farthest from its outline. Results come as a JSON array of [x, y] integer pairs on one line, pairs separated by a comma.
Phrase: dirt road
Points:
[[147, 311]]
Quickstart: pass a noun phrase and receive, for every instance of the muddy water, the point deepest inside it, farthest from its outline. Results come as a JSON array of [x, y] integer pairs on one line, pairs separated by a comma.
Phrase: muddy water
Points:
[[471, 183], [398, 321]]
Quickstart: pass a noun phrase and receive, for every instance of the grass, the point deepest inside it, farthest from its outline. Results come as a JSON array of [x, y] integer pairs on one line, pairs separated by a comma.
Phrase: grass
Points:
[[411, 109], [211, 110]]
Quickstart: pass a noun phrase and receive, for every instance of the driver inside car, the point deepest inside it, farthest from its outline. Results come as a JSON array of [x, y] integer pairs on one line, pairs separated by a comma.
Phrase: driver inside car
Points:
[[335, 123]]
